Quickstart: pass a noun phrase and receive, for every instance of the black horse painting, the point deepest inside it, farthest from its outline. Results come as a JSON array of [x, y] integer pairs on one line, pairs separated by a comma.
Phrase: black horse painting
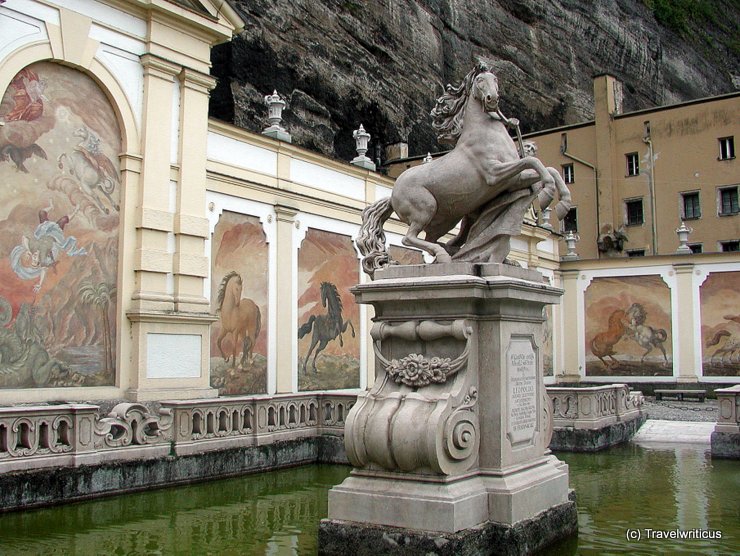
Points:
[[325, 327]]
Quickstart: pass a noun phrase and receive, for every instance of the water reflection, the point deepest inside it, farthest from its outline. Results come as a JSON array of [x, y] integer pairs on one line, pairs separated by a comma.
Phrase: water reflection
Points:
[[627, 487], [267, 513], [665, 487]]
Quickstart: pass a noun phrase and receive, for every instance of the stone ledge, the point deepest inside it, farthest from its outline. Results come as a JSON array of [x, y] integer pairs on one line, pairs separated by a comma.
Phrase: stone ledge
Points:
[[338, 537], [725, 445], [594, 440], [22, 490]]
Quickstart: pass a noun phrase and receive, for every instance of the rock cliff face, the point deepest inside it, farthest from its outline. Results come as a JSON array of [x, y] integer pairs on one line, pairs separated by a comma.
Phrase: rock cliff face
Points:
[[382, 63]]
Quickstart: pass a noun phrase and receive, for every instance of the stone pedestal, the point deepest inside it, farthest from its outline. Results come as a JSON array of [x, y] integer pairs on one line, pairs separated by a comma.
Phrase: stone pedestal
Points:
[[451, 441]]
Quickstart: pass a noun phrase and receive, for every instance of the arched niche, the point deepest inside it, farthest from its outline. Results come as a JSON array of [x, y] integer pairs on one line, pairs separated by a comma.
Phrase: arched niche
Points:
[[60, 203]]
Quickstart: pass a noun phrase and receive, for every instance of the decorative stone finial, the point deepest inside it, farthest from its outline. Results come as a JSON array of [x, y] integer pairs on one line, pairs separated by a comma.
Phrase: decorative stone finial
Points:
[[545, 215], [570, 243], [275, 107], [427, 158], [683, 232], [361, 139]]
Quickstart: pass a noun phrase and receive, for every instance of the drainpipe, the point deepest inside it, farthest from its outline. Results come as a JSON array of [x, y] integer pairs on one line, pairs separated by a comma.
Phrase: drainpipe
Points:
[[651, 187], [565, 153]]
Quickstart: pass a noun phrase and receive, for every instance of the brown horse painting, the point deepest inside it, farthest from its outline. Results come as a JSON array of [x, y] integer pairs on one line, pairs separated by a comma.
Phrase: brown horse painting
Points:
[[240, 317], [603, 343]]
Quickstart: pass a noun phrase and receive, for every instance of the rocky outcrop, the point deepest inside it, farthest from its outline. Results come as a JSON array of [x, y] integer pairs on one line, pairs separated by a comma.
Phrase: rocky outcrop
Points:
[[340, 63]]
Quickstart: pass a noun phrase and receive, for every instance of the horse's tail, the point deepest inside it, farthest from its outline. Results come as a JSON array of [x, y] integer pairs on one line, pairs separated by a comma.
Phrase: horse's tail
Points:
[[257, 323], [371, 239], [306, 328], [660, 335]]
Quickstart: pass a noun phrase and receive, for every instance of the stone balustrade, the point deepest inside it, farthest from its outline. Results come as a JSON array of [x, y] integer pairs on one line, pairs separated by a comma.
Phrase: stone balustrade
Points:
[[594, 407], [70, 435], [33, 437], [726, 436]]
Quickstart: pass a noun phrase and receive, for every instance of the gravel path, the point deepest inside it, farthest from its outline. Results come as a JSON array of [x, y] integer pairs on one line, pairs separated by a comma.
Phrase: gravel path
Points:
[[671, 410]]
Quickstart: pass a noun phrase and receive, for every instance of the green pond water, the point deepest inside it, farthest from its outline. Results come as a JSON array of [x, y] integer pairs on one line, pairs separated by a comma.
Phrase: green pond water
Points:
[[624, 488]]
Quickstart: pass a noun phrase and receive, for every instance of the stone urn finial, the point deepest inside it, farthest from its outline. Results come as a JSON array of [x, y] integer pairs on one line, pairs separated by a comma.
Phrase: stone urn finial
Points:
[[427, 158], [361, 139], [275, 107], [683, 232], [570, 243]]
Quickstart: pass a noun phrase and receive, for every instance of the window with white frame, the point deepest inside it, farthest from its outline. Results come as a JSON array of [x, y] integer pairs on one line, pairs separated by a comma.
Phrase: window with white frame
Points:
[[634, 213], [569, 175], [633, 164], [690, 207], [635, 253], [726, 148], [728, 201]]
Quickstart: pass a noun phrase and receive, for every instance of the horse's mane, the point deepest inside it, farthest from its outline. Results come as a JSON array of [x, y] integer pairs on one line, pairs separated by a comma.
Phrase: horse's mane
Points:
[[331, 290], [222, 288], [447, 115]]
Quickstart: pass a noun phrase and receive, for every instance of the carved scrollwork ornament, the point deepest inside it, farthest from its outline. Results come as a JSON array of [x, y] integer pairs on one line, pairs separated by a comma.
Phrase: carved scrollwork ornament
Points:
[[461, 429]]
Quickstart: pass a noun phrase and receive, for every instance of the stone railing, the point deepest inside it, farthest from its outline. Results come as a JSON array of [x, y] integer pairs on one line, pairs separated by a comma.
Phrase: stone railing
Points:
[[33, 437], [594, 407]]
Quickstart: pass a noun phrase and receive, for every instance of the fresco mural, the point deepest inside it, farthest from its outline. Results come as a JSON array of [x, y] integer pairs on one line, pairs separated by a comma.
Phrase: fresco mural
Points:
[[719, 300], [328, 317], [239, 297], [60, 192], [628, 327]]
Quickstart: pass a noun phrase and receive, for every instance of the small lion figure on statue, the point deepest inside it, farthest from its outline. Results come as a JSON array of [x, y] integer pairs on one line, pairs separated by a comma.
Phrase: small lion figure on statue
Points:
[[485, 182]]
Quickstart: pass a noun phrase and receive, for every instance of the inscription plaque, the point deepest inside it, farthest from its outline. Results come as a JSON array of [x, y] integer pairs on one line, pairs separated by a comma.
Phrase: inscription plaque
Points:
[[521, 372]]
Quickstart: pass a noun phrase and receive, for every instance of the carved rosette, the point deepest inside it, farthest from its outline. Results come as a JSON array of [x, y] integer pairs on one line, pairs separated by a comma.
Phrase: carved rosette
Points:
[[421, 414]]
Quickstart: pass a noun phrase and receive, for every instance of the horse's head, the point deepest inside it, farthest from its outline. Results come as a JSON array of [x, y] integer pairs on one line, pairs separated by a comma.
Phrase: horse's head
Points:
[[485, 89]]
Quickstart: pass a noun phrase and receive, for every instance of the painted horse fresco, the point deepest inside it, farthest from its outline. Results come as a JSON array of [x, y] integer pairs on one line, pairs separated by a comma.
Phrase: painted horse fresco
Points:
[[485, 181], [728, 348], [645, 335], [240, 317], [92, 169], [325, 327], [602, 345]]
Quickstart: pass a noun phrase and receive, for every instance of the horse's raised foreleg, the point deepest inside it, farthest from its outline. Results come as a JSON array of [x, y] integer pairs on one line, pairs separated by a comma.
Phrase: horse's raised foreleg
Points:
[[505, 171], [565, 202]]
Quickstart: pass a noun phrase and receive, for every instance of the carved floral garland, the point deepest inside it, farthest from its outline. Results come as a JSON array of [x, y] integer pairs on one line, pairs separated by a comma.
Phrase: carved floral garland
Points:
[[416, 370]]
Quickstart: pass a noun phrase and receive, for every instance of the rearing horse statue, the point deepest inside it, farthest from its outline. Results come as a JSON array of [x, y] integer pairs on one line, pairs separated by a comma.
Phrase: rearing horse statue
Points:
[[483, 182]]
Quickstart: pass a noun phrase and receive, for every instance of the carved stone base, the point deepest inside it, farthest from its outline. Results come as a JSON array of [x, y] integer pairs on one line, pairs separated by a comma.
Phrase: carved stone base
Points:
[[453, 435], [449, 505], [526, 537]]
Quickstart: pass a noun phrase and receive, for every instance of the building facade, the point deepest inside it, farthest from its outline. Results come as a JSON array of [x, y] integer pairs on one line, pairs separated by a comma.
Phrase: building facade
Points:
[[636, 177]]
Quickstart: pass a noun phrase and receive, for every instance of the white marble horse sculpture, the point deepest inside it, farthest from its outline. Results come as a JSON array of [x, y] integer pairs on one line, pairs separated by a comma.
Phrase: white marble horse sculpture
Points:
[[484, 181]]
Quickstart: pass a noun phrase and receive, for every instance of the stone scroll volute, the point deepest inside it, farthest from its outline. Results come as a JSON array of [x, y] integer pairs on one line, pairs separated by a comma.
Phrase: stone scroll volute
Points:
[[420, 416]]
